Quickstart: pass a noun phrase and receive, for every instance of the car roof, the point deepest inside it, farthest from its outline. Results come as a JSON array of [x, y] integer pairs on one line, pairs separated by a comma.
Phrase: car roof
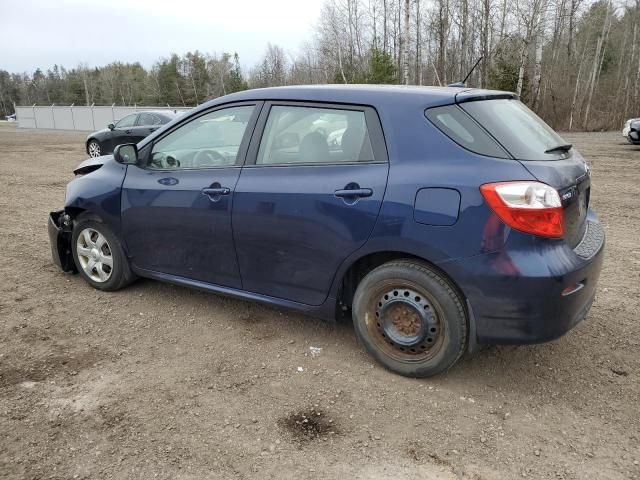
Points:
[[168, 113], [376, 95]]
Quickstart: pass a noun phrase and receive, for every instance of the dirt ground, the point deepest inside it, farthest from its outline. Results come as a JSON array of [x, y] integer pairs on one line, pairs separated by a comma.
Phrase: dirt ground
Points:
[[158, 381]]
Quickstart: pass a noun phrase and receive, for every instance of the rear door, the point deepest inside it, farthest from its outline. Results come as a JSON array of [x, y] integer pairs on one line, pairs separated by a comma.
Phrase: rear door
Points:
[[147, 123], [308, 196]]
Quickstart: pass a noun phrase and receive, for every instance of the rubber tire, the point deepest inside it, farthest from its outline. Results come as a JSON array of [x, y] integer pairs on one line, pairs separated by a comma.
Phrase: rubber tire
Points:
[[121, 275], [455, 342], [99, 147]]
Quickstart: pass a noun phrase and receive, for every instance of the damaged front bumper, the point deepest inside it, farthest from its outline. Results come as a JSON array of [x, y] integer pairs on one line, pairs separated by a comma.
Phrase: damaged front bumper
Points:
[[60, 231]]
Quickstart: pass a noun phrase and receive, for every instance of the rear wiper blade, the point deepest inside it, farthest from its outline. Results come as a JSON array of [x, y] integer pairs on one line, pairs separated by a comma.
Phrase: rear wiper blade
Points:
[[560, 148]]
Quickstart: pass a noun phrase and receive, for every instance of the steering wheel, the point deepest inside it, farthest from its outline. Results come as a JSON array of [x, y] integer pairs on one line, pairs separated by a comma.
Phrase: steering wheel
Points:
[[164, 161], [208, 158], [171, 162]]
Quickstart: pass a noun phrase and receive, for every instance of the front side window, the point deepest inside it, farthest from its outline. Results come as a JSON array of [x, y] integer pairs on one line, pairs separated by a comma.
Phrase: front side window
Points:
[[128, 121], [211, 140], [314, 135]]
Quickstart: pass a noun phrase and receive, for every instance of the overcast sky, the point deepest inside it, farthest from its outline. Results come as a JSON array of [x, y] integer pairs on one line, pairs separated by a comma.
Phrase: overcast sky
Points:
[[67, 32]]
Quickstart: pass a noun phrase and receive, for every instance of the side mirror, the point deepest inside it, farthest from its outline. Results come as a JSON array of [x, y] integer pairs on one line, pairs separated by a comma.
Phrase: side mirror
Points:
[[127, 154], [111, 126]]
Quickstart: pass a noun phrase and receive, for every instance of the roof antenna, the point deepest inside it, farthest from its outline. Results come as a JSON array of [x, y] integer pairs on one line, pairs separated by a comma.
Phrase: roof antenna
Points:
[[463, 82]]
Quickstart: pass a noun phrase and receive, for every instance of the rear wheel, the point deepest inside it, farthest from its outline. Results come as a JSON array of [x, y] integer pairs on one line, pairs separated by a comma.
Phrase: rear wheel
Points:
[[94, 149], [410, 319], [99, 256]]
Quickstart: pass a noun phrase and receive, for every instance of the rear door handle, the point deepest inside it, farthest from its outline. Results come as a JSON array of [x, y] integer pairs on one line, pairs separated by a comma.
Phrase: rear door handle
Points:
[[353, 192], [127, 131], [215, 191]]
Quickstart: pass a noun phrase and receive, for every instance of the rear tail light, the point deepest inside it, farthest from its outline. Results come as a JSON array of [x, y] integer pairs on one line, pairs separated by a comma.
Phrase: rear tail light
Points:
[[530, 207]]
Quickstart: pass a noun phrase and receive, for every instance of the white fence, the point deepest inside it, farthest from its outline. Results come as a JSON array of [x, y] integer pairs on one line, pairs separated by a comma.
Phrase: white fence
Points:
[[77, 118]]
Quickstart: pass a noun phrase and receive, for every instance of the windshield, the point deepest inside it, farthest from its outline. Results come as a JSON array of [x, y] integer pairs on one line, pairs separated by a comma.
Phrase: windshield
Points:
[[518, 129]]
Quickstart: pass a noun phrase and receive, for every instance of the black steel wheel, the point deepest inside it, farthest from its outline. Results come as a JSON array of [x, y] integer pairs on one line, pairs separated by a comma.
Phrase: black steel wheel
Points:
[[409, 317]]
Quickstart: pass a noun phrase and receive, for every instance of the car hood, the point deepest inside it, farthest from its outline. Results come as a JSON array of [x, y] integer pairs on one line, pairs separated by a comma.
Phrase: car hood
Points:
[[92, 164]]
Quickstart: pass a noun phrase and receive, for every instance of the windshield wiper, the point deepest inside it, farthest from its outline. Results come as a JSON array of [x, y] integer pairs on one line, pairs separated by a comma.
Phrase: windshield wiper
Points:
[[559, 148]]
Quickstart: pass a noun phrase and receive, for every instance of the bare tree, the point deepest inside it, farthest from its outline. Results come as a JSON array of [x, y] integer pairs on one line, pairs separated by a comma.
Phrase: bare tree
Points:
[[530, 13], [567, 58], [405, 43], [596, 63]]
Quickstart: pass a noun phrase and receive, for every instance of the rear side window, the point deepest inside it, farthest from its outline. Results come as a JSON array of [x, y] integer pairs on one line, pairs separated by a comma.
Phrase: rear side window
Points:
[[309, 135], [518, 129], [148, 119], [462, 129]]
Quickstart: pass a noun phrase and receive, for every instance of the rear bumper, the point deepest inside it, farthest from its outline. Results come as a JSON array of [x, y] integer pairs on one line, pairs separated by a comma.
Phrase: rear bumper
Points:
[[535, 290], [60, 241]]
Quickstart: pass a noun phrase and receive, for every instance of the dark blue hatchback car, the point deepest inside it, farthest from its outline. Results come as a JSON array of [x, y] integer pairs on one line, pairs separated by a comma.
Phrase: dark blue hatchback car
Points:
[[437, 218]]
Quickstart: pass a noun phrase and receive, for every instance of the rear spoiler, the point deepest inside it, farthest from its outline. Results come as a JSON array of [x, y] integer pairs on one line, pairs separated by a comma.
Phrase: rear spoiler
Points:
[[473, 95]]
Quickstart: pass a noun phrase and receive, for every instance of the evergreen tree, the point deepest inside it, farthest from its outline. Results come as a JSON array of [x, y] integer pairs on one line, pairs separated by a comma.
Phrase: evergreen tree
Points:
[[381, 67]]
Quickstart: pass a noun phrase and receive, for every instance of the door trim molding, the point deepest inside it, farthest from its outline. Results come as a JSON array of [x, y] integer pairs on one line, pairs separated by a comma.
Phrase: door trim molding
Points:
[[324, 311]]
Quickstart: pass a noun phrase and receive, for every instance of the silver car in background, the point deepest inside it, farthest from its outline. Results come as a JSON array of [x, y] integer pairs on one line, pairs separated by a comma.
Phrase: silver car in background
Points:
[[631, 131]]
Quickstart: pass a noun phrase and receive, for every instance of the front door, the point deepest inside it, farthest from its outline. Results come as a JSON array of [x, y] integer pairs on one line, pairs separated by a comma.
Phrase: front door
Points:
[[176, 211], [308, 197]]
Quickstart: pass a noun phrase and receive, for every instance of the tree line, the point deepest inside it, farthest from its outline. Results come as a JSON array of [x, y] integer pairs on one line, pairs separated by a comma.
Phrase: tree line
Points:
[[575, 62]]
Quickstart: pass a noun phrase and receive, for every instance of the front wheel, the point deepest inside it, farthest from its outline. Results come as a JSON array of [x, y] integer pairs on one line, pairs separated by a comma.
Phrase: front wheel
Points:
[[94, 149], [99, 256], [410, 319]]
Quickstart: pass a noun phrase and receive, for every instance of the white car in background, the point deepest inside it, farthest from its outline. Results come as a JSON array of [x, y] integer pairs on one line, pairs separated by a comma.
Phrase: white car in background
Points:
[[10, 118], [631, 131]]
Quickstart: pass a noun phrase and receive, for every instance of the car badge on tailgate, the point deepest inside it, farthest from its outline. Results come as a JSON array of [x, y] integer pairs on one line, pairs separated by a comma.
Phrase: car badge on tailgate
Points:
[[567, 195]]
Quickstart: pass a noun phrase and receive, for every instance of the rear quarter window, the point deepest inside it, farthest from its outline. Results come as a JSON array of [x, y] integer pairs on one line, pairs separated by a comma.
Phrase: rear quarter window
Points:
[[463, 130]]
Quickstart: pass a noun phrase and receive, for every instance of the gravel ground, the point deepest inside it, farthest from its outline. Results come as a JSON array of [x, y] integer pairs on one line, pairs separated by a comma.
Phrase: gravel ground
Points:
[[158, 381]]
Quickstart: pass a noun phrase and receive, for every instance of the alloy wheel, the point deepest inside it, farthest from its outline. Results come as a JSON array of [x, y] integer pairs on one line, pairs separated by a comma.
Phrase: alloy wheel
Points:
[[94, 255], [94, 149]]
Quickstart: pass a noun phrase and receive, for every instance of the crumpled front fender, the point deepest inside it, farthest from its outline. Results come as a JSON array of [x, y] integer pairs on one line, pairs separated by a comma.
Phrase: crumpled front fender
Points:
[[91, 164], [60, 231]]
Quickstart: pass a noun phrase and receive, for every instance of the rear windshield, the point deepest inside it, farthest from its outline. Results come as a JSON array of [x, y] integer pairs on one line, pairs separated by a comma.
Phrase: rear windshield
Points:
[[517, 128]]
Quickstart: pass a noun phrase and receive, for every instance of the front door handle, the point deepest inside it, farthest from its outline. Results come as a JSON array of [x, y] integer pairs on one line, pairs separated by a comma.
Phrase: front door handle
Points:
[[353, 193], [127, 131], [215, 191]]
